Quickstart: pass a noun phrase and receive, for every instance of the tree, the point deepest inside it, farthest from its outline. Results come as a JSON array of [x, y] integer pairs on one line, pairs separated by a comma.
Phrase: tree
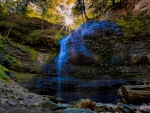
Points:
[[81, 6]]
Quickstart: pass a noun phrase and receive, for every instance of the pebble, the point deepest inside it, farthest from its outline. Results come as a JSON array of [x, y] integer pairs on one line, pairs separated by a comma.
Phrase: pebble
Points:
[[21, 102], [11, 103], [2, 110]]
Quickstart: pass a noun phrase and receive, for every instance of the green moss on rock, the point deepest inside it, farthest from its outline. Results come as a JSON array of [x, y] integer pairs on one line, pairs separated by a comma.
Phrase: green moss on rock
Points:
[[3, 74]]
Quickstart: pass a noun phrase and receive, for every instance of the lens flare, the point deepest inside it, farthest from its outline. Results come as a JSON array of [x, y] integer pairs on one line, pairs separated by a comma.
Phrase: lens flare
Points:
[[68, 21]]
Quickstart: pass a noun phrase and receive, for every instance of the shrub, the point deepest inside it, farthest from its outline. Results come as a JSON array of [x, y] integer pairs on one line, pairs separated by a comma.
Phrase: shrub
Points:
[[35, 37]]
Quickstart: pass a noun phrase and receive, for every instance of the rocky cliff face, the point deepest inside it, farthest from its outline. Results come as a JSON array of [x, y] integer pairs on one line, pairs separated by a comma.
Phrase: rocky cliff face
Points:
[[98, 48], [143, 6], [126, 7]]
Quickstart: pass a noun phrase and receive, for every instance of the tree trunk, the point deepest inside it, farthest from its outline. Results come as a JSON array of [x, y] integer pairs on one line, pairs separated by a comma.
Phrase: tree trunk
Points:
[[84, 12], [8, 33], [136, 94]]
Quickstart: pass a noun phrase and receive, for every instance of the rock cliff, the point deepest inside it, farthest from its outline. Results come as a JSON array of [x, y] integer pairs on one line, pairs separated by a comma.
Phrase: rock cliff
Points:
[[98, 48]]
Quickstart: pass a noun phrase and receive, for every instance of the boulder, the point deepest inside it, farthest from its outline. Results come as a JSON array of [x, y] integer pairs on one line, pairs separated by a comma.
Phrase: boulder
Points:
[[52, 106], [85, 103], [83, 47], [2, 110], [74, 110], [143, 6], [96, 49], [145, 109]]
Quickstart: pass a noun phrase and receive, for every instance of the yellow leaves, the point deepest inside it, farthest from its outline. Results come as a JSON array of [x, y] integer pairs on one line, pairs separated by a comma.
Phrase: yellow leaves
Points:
[[70, 2]]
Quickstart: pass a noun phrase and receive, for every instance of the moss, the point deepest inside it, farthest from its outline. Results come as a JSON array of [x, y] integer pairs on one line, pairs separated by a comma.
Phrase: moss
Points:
[[12, 60], [59, 34], [8, 57], [52, 54], [3, 74], [25, 77], [25, 49], [33, 54], [35, 37], [134, 25], [78, 22]]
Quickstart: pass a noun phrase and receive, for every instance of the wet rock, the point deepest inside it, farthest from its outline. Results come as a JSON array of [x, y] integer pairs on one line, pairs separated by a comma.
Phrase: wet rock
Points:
[[85, 103], [21, 102], [36, 111], [18, 110], [57, 100], [124, 108], [104, 83], [51, 105], [74, 110], [2, 110], [12, 76], [50, 83], [145, 109], [3, 100], [98, 110], [37, 104], [143, 6], [83, 48], [11, 103], [1, 59]]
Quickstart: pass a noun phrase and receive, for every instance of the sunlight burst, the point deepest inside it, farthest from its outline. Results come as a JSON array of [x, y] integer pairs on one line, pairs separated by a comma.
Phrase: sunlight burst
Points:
[[68, 21]]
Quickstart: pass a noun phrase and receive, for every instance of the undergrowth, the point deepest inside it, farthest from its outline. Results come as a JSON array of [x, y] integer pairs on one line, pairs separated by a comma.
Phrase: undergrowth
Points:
[[3, 74], [134, 25]]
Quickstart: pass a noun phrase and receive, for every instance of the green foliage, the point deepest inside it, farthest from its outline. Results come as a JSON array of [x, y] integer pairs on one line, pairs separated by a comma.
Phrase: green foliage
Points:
[[3, 48], [52, 54], [25, 77], [19, 46], [78, 22], [59, 34], [55, 33], [3, 74], [12, 60], [7, 57], [35, 37], [33, 54], [133, 25], [76, 10], [5, 24]]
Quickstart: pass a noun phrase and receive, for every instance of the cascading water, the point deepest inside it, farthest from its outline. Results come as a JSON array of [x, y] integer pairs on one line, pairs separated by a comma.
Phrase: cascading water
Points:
[[61, 60], [75, 56]]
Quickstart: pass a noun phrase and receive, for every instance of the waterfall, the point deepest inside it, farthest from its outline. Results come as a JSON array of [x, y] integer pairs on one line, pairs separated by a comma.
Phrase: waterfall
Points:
[[62, 57]]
